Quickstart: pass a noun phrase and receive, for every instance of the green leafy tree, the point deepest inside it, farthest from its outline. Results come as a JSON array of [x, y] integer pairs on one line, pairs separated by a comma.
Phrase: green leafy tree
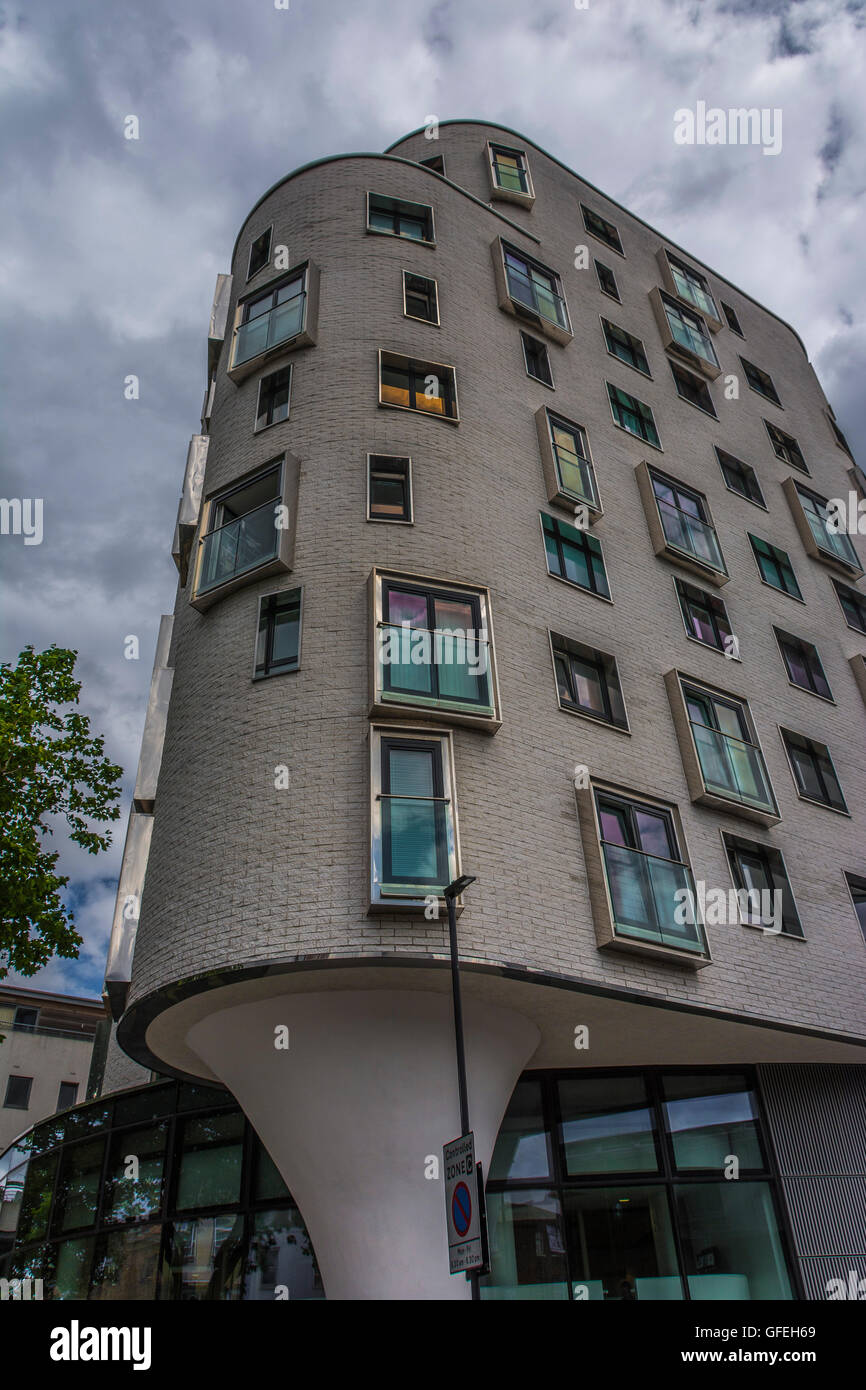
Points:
[[50, 767]]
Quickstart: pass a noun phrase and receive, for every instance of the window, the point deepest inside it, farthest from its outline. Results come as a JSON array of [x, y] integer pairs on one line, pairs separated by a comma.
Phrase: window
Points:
[[242, 529], [273, 317], [803, 664], [509, 174], [574, 556], [627, 348], [646, 874], [775, 567], [273, 403], [818, 528], [67, 1095], [786, 448], [632, 415], [26, 1019], [687, 531], [393, 217], [566, 461], [690, 285], [730, 765], [685, 332], [857, 889], [760, 381], [210, 1161], [536, 359], [607, 281], [693, 389], [813, 770], [732, 321], [18, 1092], [853, 606], [705, 617], [409, 384], [413, 821], [756, 870], [601, 228], [436, 162], [532, 290], [420, 298], [740, 478], [389, 488], [837, 433], [260, 253], [433, 646], [278, 641], [587, 682]]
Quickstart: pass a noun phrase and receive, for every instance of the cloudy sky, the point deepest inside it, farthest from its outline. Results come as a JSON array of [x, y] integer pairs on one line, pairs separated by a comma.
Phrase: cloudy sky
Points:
[[110, 246]]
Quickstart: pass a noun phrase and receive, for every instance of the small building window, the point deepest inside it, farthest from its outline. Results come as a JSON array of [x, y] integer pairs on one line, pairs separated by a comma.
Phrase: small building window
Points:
[[278, 642], [260, 253], [536, 359], [18, 1092], [420, 298], [820, 531], [408, 384], [632, 415], [26, 1019], [509, 175], [803, 664], [413, 818], [393, 217], [693, 389], [732, 321], [436, 162], [273, 401], [389, 488], [760, 381], [775, 566], [566, 461], [705, 617], [685, 332], [837, 433], [687, 532], [273, 318], [758, 870], [531, 290], [813, 770], [853, 606], [574, 556], [786, 448], [740, 478], [625, 346], [857, 889], [730, 764], [587, 682], [688, 284], [247, 530], [607, 281], [67, 1095], [600, 227]]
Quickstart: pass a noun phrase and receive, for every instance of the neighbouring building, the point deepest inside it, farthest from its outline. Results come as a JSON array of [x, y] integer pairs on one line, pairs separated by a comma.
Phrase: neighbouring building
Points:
[[506, 548]]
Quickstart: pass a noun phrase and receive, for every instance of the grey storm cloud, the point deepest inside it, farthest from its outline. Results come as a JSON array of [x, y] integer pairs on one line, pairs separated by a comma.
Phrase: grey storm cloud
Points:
[[110, 246]]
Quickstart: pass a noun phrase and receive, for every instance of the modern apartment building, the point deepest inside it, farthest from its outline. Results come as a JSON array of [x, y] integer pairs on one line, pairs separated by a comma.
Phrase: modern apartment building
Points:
[[506, 548]]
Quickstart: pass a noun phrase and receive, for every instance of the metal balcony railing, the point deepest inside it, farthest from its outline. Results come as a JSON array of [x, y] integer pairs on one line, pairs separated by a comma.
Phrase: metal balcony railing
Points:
[[239, 545], [688, 533], [537, 296], [267, 330]]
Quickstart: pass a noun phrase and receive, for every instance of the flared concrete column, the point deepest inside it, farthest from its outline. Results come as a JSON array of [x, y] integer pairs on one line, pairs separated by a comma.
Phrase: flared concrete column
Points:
[[351, 1111]]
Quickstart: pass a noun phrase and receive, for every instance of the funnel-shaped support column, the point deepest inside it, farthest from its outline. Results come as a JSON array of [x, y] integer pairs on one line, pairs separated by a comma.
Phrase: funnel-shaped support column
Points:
[[352, 1111]]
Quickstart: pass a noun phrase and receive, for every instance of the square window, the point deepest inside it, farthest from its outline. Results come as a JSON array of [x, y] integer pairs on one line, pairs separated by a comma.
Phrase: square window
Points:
[[536, 359], [608, 1125], [740, 478], [709, 1117], [260, 253], [273, 401], [278, 641], [705, 617], [786, 448], [813, 771], [760, 381], [632, 415], [599, 227], [408, 384], [680, 523], [567, 463], [723, 761], [420, 298], [803, 664], [732, 321], [853, 605], [758, 870], [684, 332], [281, 316], [67, 1095], [389, 488], [821, 529], [688, 284], [210, 1160], [775, 567], [530, 290], [607, 281], [413, 818], [574, 556], [693, 389], [394, 217], [625, 346], [18, 1092], [587, 681]]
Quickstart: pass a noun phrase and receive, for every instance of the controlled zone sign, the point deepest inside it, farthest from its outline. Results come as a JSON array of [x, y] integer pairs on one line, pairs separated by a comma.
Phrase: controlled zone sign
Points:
[[463, 1213]]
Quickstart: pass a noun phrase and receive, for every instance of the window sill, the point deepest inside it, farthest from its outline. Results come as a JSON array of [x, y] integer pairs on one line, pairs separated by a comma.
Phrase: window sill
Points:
[[511, 195], [690, 562], [206, 599], [711, 647], [239, 371], [639, 437], [595, 719], [548, 384], [385, 708], [414, 906], [665, 955], [647, 376], [581, 589], [398, 236], [413, 410], [730, 806], [744, 498]]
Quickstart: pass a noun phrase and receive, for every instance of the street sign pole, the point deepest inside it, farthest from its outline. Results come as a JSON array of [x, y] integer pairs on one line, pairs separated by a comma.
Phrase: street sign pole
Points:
[[451, 893]]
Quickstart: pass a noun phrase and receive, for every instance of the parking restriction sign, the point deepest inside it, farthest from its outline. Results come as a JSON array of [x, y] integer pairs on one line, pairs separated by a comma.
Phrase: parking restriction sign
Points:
[[463, 1206]]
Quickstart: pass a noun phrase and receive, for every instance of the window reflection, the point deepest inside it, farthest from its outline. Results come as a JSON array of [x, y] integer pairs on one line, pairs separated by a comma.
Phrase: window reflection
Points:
[[134, 1178], [711, 1118], [126, 1264], [281, 1262], [607, 1126], [730, 1241], [210, 1164], [205, 1259], [622, 1244], [527, 1247]]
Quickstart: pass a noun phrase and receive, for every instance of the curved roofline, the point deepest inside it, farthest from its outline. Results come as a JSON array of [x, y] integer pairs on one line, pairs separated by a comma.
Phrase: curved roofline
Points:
[[491, 125]]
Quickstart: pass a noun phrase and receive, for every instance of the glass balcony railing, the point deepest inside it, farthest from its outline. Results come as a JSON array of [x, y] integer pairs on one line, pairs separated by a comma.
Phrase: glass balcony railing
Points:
[[536, 295], [282, 322], [434, 665], [575, 474], [239, 545], [835, 543], [694, 293], [691, 339], [649, 896], [733, 768], [688, 533]]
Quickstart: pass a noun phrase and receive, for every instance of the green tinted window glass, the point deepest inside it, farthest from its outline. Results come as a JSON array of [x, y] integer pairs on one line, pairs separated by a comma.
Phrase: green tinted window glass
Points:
[[78, 1185], [125, 1265], [72, 1262], [36, 1202], [607, 1126], [521, 1147], [269, 1185], [281, 1257], [527, 1247], [711, 1118], [210, 1161], [730, 1241], [133, 1188], [622, 1246]]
